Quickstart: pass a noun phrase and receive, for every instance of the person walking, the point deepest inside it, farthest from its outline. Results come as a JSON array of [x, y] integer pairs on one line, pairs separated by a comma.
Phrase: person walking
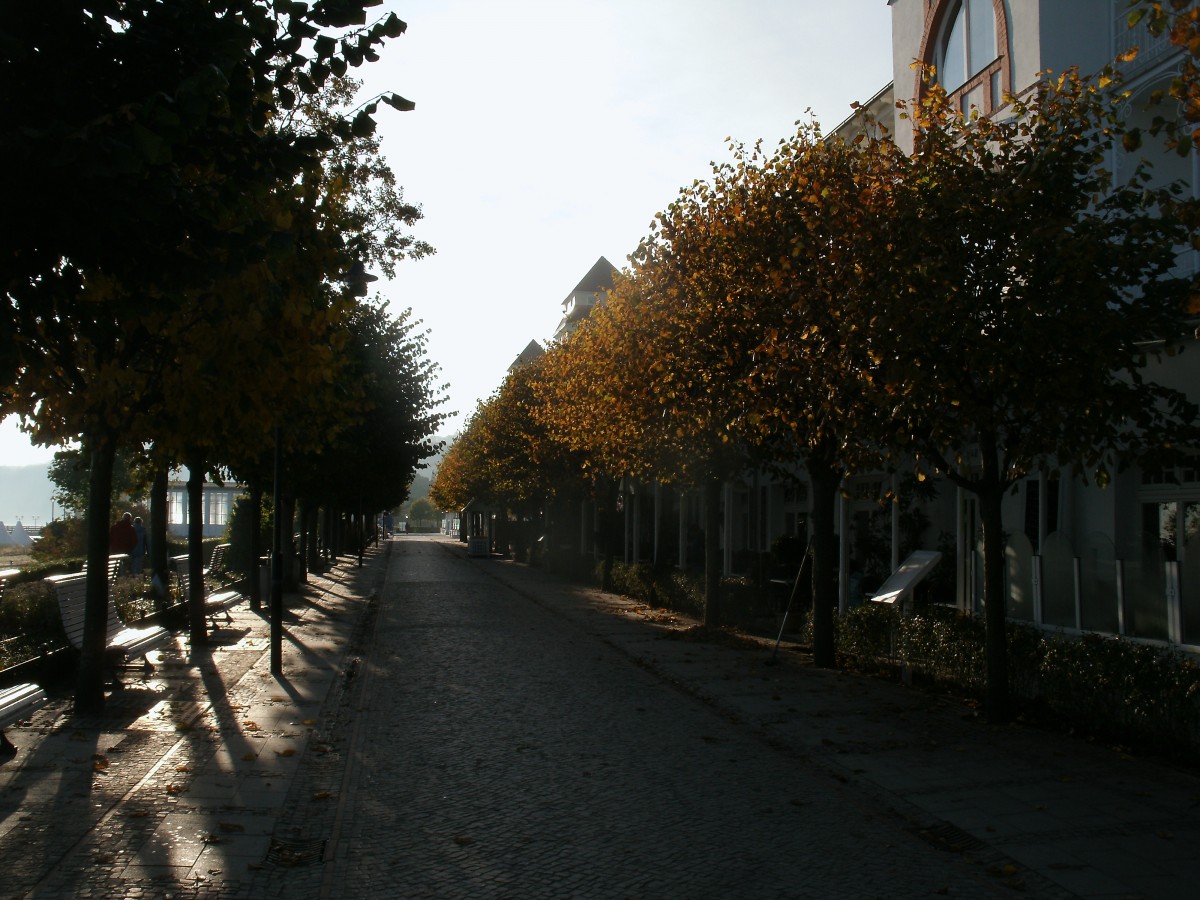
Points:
[[137, 555], [122, 537]]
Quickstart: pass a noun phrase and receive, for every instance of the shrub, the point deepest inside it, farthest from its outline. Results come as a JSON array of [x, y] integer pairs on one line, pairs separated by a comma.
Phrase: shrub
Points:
[[1107, 687], [29, 623]]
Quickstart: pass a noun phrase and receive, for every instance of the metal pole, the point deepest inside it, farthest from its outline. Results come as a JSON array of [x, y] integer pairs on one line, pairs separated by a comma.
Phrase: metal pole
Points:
[[791, 597], [277, 564]]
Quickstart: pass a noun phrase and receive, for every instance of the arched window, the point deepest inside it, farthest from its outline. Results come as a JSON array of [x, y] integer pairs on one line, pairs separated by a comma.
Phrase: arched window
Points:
[[968, 43], [966, 40]]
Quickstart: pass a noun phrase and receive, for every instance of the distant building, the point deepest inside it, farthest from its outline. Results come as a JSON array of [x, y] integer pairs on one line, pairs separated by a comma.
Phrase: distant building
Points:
[[532, 351], [218, 505], [590, 291]]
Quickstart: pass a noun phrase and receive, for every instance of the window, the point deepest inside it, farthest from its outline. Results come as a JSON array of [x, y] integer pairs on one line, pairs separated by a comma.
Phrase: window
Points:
[[969, 44], [966, 40], [218, 508], [177, 507]]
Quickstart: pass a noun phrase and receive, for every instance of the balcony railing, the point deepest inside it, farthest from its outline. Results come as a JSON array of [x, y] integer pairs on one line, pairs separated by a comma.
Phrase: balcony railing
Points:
[[1151, 48]]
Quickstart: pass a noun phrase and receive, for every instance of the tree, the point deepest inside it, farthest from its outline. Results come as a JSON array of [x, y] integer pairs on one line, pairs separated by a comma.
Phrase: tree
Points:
[[460, 475], [70, 475], [1180, 20], [809, 224], [1029, 292], [422, 511], [504, 455], [644, 387], [166, 142], [390, 386]]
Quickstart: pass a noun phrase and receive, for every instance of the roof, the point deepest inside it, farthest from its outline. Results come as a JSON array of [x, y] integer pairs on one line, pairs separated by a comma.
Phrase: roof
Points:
[[531, 352], [598, 279]]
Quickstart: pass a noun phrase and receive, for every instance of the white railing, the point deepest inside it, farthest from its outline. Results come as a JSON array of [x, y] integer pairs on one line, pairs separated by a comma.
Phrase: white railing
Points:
[[1151, 47]]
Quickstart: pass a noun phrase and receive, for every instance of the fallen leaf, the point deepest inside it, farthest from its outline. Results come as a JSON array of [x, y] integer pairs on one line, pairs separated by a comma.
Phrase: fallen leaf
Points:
[[322, 795], [231, 827], [249, 756], [288, 752]]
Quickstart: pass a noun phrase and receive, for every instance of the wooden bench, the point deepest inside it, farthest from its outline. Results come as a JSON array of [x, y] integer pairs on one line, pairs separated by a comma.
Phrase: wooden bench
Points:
[[216, 601], [122, 643], [116, 564], [16, 703]]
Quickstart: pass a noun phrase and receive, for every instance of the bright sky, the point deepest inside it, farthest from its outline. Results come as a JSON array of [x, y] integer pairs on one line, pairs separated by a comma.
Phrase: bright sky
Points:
[[548, 133]]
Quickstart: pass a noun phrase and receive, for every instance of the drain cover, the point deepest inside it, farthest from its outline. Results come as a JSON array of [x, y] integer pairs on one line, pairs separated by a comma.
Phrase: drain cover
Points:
[[296, 853]]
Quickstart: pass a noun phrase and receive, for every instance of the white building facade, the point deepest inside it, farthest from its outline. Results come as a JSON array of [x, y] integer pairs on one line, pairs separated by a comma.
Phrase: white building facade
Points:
[[1121, 560], [1125, 559]]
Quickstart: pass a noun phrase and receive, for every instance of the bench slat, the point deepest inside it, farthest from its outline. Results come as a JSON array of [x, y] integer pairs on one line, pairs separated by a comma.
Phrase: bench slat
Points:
[[19, 701], [216, 601], [71, 591]]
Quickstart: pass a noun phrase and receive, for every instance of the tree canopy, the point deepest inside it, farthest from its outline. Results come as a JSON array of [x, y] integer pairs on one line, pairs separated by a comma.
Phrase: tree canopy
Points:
[[176, 227], [1029, 291]]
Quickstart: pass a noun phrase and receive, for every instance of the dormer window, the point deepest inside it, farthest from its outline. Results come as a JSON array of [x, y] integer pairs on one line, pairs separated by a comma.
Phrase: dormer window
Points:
[[966, 40]]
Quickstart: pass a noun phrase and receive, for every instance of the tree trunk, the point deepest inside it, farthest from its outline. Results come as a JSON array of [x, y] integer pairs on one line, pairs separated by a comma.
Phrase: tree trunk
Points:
[[712, 552], [256, 552], [362, 534], [313, 518], [159, 511], [89, 690], [291, 582], [995, 603], [825, 482], [306, 537], [197, 631], [608, 529]]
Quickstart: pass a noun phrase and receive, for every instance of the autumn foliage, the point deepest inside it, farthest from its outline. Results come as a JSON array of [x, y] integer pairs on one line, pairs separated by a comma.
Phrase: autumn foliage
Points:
[[980, 310]]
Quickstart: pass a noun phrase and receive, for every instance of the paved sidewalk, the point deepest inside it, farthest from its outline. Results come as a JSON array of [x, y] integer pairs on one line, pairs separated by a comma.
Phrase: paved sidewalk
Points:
[[175, 790], [1046, 815], [214, 779]]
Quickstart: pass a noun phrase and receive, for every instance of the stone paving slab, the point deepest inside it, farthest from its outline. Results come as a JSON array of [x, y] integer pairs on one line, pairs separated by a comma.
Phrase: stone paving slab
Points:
[[178, 785]]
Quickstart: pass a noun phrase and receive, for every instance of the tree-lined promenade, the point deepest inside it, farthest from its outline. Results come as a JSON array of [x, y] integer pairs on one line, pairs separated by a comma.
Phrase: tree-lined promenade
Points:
[[980, 310], [195, 200]]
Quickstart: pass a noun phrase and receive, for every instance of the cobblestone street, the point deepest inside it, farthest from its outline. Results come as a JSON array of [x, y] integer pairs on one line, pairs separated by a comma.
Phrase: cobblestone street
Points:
[[506, 748]]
